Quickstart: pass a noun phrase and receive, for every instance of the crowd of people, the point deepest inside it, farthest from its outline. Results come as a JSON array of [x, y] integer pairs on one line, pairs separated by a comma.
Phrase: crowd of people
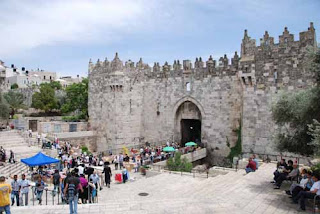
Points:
[[78, 183], [307, 186], [76, 178]]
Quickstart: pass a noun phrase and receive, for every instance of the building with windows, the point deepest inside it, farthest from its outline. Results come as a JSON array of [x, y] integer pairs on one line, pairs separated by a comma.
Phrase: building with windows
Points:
[[23, 77]]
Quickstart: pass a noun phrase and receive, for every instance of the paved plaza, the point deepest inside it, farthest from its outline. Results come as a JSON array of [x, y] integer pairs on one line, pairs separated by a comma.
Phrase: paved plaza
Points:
[[228, 192], [233, 192]]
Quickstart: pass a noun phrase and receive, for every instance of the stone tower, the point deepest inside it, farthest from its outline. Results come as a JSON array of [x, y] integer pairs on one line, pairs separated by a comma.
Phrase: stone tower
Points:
[[132, 103]]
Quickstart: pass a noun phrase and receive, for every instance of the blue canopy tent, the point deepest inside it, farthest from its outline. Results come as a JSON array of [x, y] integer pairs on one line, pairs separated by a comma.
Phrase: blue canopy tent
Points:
[[39, 160]]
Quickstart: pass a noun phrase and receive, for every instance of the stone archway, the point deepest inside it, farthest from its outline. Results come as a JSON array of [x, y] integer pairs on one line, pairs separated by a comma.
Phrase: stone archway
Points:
[[188, 121]]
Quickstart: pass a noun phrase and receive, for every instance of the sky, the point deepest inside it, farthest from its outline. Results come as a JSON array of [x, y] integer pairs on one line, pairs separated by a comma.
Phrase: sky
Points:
[[62, 35]]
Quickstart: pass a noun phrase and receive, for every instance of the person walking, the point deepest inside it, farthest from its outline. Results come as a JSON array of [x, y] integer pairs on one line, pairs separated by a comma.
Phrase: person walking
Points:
[[84, 183], [96, 180], [24, 189], [121, 161], [38, 137], [5, 190], [116, 162], [71, 192], [56, 182], [107, 174], [11, 159], [39, 189], [15, 190]]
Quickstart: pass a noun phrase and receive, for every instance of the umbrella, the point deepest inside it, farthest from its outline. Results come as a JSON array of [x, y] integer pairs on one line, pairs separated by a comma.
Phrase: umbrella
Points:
[[168, 149], [191, 144]]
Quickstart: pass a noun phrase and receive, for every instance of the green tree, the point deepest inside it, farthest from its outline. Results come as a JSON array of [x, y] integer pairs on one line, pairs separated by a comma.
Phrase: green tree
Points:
[[178, 164], [5, 110], [297, 115], [15, 100], [45, 99], [55, 85], [76, 100], [314, 131], [14, 86]]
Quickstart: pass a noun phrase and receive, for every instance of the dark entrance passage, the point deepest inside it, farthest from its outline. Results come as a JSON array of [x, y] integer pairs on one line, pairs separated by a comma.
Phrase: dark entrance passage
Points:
[[190, 131], [33, 124]]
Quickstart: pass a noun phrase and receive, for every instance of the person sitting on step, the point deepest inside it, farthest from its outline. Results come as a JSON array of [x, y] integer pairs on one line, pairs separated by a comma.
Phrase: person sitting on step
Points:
[[287, 176], [251, 167], [304, 185], [281, 167], [315, 190]]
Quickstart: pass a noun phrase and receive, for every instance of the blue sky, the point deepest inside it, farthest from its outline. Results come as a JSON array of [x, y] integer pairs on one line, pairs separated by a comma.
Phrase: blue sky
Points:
[[62, 36]]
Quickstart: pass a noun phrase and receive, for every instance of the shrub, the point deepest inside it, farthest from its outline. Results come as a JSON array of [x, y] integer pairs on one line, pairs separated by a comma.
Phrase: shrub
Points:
[[237, 149], [14, 86], [85, 149], [316, 168], [178, 164]]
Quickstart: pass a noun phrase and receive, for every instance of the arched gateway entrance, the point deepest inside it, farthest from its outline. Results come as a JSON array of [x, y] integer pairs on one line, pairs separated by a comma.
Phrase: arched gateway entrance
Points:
[[188, 123]]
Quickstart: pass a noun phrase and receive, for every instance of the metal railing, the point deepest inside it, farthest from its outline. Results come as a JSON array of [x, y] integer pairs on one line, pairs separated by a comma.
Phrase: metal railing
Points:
[[275, 157], [60, 199], [193, 173]]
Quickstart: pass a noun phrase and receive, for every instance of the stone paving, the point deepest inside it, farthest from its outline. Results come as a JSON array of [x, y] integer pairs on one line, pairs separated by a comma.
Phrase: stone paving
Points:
[[234, 192]]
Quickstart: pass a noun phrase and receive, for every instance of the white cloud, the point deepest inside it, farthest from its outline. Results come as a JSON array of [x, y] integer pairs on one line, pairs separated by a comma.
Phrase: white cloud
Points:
[[29, 24]]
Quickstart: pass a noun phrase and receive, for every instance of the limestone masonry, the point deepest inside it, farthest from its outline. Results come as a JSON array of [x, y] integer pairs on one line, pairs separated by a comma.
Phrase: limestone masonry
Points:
[[133, 103]]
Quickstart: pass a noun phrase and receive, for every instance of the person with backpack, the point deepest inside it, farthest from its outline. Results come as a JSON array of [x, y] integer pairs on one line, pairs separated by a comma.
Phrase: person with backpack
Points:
[[71, 192], [56, 182]]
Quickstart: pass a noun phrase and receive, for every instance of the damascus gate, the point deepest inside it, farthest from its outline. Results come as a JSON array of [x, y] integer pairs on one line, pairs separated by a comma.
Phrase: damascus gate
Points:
[[206, 100]]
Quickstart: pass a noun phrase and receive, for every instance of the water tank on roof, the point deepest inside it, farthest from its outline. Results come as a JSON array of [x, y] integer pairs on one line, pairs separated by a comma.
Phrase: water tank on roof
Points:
[[23, 68], [12, 65]]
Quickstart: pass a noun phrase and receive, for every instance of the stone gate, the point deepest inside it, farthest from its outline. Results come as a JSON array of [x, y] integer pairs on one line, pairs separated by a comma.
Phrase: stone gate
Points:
[[133, 103]]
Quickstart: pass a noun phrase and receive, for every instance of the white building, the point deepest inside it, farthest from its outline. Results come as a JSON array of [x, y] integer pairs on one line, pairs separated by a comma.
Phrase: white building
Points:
[[24, 81], [68, 80], [45, 76], [23, 77]]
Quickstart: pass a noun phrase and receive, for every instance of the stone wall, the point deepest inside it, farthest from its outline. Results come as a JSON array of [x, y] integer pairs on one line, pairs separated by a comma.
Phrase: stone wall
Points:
[[59, 126], [80, 138], [133, 103]]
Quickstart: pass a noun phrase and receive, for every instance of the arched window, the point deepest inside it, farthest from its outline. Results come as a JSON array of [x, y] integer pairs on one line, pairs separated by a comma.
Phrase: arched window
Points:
[[188, 85]]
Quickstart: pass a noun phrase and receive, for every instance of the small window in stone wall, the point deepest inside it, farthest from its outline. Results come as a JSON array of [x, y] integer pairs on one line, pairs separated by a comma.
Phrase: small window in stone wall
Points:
[[244, 80], [188, 85], [250, 80]]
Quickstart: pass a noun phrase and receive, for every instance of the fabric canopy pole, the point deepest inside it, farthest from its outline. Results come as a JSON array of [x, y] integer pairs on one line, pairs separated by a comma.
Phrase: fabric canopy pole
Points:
[[39, 160]]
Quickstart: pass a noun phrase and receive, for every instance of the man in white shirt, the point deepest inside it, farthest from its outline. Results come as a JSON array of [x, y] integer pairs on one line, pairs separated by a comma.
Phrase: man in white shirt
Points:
[[315, 190], [24, 189], [81, 169]]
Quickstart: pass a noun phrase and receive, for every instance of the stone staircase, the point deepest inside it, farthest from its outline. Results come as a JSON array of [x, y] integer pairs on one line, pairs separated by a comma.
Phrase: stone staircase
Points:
[[234, 192], [12, 140]]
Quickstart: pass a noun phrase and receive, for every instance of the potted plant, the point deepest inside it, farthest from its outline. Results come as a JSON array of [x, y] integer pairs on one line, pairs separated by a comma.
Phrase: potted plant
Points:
[[143, 169]]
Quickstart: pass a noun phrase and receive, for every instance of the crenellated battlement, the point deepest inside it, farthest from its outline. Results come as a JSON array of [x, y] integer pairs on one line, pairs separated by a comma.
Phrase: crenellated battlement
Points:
[[265, 64], [286, 40], [209, 67]]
